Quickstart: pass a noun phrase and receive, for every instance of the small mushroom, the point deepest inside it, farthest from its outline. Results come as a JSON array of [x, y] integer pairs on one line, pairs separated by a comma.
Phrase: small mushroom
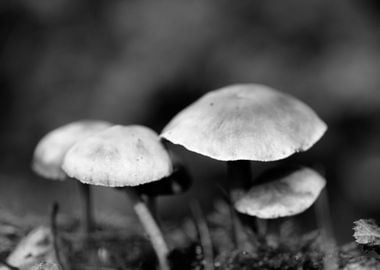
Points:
[[51, 149], [287, 194], [49, 152], [245, 122], [124, 156]]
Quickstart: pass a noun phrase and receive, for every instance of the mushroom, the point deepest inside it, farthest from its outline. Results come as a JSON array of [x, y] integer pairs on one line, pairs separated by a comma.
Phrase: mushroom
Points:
[[124, 156], [244, 122], [50, 151], [288, 193]]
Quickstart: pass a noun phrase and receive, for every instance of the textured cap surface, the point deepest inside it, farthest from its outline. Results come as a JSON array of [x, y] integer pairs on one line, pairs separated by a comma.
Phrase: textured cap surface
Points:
[[246, 122], [119, 156], [287, 196], [49, 153]]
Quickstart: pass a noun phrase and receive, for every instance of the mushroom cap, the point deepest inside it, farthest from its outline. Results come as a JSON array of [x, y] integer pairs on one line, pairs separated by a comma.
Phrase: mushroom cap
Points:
[[49, 153], [246, 122], [289, 195], [119, 156]]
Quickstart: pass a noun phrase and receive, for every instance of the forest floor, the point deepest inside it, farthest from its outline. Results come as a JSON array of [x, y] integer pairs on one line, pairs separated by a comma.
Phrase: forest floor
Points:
[[26, 244]]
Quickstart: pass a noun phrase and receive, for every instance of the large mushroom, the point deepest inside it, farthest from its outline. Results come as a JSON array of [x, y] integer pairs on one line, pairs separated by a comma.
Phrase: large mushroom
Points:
[[124, 156], [50, 151], [245, 122]]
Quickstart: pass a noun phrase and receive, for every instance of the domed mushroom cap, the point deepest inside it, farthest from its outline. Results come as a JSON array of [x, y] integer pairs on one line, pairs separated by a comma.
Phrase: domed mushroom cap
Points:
[[289, 195], [49, 153], [246, 122], [119, 156]]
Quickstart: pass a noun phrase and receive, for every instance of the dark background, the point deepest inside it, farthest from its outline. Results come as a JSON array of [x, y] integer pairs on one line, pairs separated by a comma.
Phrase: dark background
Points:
[[140, 62]]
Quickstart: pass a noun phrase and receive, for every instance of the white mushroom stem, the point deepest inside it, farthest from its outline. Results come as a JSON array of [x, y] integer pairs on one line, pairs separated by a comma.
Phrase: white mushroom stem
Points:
[[203, 235], [150, 227], [54, 232], [323, 214], [87, 217]]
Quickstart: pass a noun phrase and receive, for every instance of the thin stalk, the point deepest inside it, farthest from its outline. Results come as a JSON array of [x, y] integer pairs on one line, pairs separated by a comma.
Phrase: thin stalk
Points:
[[247, 231], [238, 233], [262, 228], [87, 216], [235, 223], [54, 231], [239, 178], [240, 236], [235, 227], [204, 235], [151, 228], [323, 215], [239, 174]]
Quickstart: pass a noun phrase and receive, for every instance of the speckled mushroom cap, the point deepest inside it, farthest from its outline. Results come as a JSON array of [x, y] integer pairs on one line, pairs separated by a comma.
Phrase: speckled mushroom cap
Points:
[[119, 156], [288, 195], [49, 153], [246, 122]]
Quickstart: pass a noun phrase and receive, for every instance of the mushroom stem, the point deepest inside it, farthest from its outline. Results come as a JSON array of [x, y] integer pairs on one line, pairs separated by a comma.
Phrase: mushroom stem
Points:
[[150, 227], [87, 217], [203, 235], [239, 173], [261, 228], [323, 214], [240, 237], [54, 231]]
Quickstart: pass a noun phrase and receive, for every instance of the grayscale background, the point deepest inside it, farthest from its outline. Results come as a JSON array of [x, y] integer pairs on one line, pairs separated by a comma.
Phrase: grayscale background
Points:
[[140, 62]]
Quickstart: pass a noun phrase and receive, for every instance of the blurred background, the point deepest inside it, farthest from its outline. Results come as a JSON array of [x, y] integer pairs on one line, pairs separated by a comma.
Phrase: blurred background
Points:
[[140, 62]]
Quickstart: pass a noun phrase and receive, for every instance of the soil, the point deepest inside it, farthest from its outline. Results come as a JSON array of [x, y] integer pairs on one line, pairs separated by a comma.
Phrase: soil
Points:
[[114, 248]]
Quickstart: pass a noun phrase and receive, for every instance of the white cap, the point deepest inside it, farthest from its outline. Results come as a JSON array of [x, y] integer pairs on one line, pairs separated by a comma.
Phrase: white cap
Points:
[[289, 195], [119, 156], [246, 122], [49, 153]]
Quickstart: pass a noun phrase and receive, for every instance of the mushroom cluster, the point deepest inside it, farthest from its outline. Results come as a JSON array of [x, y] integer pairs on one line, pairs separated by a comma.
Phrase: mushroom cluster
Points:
[[237, 124], [245, 122], [251, 122], [128, 157]]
